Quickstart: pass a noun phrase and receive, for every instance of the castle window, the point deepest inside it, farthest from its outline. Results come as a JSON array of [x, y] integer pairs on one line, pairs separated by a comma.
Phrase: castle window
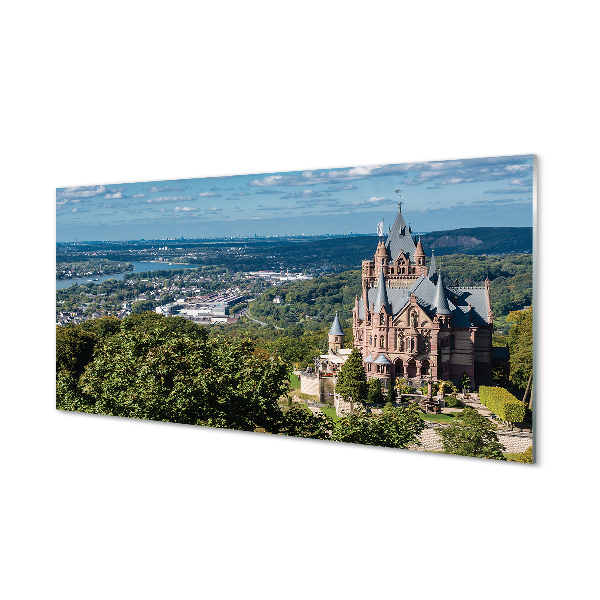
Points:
[[381, 319], [381, 342], [452, 341]]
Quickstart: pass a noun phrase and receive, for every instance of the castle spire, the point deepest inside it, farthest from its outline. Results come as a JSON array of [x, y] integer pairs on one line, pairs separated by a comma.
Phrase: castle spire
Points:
[[398, 240], [336, 328], [431, 266], [382, 299], [440, 302], [419, 254]]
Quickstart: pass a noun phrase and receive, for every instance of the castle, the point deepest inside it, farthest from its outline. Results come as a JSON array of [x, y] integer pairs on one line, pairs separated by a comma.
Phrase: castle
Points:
[[408, 324]]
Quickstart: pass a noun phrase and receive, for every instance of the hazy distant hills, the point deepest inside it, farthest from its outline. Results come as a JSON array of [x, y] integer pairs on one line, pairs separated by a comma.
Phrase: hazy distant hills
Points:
[[349, 252], [479, 240]]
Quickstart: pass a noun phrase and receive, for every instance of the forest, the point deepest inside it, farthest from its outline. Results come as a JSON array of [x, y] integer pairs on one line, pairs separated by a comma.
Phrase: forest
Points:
[[314, 302], [151, 367]]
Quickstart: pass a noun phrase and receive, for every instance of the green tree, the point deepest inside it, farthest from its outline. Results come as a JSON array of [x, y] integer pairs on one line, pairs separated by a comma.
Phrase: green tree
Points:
[[154, 372], [300, 422], [470, 434], [390, 396], [520, 343], [374, 394], [392, 428], [352, 381], [465, 382], [74, 349], [142, 305]]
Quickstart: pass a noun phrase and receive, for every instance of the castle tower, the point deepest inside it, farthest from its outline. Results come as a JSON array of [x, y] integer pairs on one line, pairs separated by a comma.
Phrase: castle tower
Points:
[[381, 257], [420, 259], [440, 301], [336, 336], [432, 268]]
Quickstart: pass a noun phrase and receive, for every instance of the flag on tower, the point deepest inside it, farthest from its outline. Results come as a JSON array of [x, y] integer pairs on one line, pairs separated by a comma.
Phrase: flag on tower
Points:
[[380, 228]]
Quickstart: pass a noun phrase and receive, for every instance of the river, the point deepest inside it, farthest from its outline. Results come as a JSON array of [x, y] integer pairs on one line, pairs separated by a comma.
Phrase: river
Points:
[[139, 267]]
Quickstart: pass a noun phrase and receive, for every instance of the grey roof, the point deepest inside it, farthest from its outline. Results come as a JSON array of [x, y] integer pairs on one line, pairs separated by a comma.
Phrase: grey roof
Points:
[[431, 271], [457, 299], [500, 352], [441, 303], [382, 359], [336, 328], [369, 358], [399, 239], [382, 299]]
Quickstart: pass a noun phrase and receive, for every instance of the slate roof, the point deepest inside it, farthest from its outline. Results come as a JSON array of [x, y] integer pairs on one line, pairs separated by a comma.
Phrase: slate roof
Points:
[[432, 268], [382, 359], [457, 298], [500, 352], [369, 358], [336, 328], [441, 303], [382, 299], [400, 239]]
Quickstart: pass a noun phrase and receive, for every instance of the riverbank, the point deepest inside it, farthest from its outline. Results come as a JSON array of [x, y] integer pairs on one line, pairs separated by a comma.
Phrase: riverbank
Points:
[[138, 267]]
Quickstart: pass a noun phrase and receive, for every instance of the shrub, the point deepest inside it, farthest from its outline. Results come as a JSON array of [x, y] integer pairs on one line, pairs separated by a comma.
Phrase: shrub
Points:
[[470, 434], [452, 402], [523, 457], [447, 387], [502, 403], [374, 393]]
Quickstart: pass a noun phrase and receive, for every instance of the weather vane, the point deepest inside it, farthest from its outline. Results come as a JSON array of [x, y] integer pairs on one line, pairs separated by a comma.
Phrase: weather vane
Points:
[[398, 191]]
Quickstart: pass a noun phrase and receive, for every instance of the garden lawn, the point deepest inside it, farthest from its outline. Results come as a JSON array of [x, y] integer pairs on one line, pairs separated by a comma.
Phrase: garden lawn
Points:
[[330, 412], [442, 418], [294, 382]]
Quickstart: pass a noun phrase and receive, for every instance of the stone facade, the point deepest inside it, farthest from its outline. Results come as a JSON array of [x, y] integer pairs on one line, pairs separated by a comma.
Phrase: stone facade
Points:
[[316, 385]]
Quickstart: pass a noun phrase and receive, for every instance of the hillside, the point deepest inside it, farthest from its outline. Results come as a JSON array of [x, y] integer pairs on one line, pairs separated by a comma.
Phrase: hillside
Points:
[[313, 303], [479, 240]]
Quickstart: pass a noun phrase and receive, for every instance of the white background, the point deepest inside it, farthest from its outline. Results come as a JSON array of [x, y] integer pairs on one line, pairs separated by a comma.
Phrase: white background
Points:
[[96, 507]]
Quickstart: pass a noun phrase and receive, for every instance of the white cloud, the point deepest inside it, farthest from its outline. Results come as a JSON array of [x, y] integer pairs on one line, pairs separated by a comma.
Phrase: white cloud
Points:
[[83, 191], [116, 196], [165, 199], [184, 209], [209, 195]]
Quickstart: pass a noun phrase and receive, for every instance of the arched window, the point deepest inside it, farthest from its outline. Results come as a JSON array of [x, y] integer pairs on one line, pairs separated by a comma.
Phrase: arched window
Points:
[[381, 342]]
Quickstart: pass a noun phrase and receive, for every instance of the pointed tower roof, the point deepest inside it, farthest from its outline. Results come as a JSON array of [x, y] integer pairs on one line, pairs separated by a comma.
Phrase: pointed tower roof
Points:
[[431, 271], [440, 301], [382, 299], [399, 238], [419, 249], [336, 328]]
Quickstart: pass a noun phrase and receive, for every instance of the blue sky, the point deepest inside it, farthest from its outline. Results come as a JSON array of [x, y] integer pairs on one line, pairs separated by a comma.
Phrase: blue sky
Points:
[[438, 195]]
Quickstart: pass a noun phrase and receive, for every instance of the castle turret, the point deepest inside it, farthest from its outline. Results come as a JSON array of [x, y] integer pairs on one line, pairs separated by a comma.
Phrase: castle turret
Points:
[[382, 300], [440, 301], [336, 335], [381, 257], [420, 258], [432, 271]]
